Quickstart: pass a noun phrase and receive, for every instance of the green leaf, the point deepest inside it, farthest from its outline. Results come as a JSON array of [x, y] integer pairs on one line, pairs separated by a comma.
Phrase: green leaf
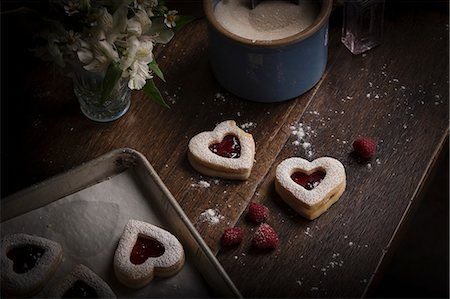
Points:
[[113, 74], [155, 68], [152, 91], [182, 21], [85, 6]]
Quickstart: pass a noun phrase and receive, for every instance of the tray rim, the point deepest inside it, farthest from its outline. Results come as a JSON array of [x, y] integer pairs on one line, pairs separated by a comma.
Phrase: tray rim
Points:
[[121, 165]]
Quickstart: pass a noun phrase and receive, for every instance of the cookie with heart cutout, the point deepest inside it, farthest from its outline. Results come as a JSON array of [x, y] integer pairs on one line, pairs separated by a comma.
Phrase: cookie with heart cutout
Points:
[[227, 152], [27, 262], [82, 282], [146, 251], [310, 188]]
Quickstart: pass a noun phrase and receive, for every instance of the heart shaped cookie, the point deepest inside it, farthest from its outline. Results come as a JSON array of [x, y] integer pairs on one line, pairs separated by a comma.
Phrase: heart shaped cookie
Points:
[[145, 251], [227, 152], [82, 282], [310, 188], [27, 262]]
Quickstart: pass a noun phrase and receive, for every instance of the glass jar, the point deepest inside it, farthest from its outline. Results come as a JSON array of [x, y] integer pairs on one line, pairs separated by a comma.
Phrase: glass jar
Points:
[[363, 24], [88, 89]]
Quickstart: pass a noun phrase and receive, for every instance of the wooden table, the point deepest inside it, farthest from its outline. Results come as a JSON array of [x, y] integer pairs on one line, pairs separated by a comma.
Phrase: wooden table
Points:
[[396, 93]]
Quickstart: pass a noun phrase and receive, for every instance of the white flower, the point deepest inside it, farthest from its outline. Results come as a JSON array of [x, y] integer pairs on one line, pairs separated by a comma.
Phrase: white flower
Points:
[[113, 26], [71, 7], [134, 27], [136, 60], [97, 53], [129, 55], [93, 61], [170, 17], [142, 17], [99, 50], [139, 73], [126, 36], [139, 24], [105, 19], [144, 4], [144, 52]]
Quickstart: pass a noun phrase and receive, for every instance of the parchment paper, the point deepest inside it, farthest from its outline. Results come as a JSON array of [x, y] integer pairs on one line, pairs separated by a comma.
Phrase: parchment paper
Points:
[[88, 225]]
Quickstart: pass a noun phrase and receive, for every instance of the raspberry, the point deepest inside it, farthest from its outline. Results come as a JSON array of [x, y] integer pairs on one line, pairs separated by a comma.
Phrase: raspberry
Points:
[[265, 237], [232, 236], [364, 147], [257, 213]]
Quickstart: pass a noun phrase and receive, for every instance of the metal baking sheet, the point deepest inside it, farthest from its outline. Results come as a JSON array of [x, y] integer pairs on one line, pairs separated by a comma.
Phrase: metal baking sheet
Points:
[[86, 209]]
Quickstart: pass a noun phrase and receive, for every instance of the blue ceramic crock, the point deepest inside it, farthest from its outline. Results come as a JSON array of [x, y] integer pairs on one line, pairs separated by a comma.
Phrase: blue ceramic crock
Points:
[[268, 71]]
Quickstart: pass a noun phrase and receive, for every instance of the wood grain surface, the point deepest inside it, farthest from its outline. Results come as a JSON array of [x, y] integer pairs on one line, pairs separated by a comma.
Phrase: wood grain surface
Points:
[[396, 93]]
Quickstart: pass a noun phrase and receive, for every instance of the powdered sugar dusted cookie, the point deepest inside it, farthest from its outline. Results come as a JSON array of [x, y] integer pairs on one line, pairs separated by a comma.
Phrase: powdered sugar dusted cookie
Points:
[[145, 251], [310, 188], [27, 262], [227, 152], [82, 282]]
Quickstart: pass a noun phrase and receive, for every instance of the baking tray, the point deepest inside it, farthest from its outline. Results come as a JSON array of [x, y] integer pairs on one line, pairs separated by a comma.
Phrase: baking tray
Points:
[[86, 209]]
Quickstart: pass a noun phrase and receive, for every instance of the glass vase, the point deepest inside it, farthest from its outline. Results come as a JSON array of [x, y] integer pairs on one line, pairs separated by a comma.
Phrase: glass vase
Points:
[[88, 89]]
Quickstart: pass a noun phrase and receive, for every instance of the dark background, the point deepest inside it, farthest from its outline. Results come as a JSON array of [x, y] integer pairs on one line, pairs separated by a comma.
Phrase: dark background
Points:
[[418, 268]]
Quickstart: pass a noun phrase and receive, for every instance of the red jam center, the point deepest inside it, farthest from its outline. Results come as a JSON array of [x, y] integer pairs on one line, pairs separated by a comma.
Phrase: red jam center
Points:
[[309, 182], [229, 147], [25, 257], [80, 289], [145, 248]]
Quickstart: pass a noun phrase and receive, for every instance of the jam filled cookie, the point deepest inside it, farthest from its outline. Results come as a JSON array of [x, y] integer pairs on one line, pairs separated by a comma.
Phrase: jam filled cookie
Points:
[[27, 262], [225, 152], [145, 251], [82, 282], [310, 188]]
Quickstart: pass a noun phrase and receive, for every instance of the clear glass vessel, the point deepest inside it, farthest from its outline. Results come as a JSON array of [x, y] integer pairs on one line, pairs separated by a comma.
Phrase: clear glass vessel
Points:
[[88, 89], [363, 24]]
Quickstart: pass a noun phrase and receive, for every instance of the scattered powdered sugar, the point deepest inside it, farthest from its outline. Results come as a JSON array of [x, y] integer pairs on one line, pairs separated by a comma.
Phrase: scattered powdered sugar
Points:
[[302, 133], [307, 232], [201, 184], [248, 125], [172, 98], [211, 216], [219, 97]]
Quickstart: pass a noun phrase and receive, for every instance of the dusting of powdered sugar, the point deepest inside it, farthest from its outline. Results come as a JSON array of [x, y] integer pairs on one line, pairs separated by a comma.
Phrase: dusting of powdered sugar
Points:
[[201, 184], [302, 134], [49, 260], [335, 177], [172, 97], [84, 274], [248, 126], [211, 216], [199, 147], [173, 251]]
